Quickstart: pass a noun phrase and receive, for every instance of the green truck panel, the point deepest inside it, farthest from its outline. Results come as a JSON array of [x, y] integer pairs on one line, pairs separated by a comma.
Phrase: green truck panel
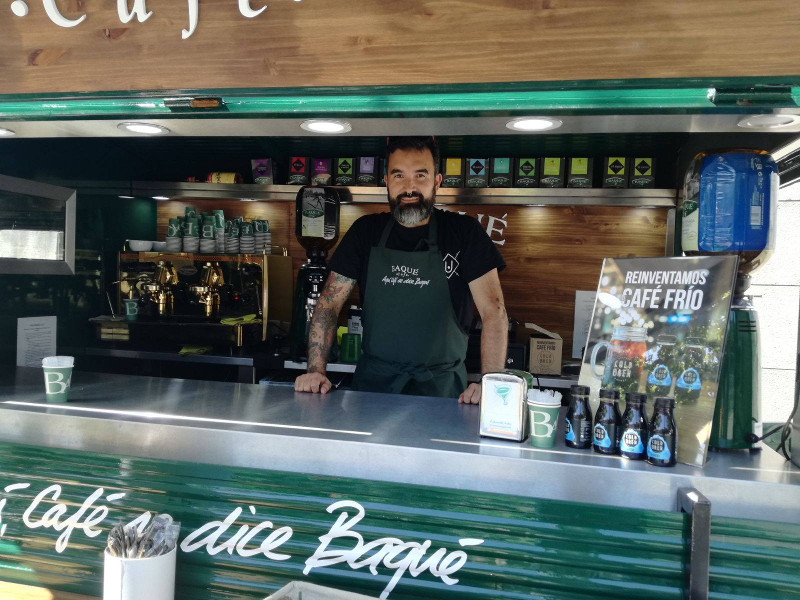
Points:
[[532, 548]]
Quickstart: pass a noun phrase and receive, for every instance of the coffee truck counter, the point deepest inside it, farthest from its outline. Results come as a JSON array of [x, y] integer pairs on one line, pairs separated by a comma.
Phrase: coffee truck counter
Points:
[[272, 486], [381, 437]]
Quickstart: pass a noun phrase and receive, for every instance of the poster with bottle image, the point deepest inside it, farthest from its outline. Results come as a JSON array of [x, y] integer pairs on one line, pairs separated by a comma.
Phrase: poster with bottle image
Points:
[[658, 327]]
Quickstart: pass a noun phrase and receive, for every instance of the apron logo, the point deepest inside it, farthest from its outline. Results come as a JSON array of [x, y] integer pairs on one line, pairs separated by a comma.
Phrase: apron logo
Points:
[[403, 275], [451, 264], [404, 271]]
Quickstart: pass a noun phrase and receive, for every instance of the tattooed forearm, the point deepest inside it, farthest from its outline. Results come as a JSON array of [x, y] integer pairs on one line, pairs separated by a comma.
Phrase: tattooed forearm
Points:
[[337, 287], [320, 338], [323, 323]]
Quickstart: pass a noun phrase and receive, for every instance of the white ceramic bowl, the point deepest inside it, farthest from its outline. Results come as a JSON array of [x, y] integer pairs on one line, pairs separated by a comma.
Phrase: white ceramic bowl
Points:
[[140, 245], [159, 246]]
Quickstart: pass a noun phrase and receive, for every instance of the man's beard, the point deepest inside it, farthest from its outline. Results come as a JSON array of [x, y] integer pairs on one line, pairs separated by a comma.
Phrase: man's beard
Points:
[[410, 214]]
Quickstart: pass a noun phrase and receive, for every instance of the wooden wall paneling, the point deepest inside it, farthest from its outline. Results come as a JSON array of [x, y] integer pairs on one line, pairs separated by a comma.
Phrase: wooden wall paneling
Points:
[[373, 42], [551, 252]]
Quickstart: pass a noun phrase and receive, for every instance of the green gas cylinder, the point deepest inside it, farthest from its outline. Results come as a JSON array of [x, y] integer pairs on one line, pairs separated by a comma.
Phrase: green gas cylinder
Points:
[[737, 414]]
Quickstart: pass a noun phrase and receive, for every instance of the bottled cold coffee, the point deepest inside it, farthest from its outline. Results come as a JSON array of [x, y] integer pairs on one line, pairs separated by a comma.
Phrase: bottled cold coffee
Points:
[[660, 361], [633, 440], [690, 380], [662, 444], [607, 421], [578, 425]]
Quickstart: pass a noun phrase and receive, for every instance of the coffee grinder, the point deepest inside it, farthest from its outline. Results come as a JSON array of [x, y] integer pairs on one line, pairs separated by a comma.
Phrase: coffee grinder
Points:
[[317, 230], [729, 207]]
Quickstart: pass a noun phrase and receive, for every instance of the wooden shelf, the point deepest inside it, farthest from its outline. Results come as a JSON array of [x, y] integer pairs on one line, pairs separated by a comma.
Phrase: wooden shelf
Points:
[[662, 198], [186, 256]]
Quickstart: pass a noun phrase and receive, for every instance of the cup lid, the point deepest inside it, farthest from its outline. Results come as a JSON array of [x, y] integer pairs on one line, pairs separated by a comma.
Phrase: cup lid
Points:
[[542, 399], [58, 361]]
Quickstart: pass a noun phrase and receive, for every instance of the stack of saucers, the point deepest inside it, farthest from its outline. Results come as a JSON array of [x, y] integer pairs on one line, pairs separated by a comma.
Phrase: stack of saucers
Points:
[[231, 245], [261, 234], [191, 244], [208, 246], [191, 234], [174, 237], [267, 240], [247, 243], [174, 244]]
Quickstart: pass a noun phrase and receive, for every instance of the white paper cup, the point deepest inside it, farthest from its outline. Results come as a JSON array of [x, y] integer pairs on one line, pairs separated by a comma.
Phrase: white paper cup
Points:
[[57, 377]]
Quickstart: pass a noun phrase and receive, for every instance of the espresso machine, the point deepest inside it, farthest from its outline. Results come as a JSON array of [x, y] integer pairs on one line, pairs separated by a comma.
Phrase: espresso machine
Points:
[[207, 292], [729, 207], [159, 291], [317, 230]]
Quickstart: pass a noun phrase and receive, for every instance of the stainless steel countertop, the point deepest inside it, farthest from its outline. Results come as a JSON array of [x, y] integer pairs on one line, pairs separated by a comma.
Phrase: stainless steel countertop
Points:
[[216, 359], [405, 439]]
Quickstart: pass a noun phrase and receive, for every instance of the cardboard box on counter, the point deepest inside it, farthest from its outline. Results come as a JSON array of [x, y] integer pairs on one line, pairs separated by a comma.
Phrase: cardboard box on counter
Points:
[[545, 351]]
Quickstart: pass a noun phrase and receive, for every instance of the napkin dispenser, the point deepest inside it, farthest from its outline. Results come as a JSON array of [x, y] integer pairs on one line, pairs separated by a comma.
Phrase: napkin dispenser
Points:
[[504, 413]]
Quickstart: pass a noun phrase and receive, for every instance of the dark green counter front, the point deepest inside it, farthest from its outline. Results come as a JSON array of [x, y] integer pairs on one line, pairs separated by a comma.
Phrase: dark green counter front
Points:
[[467, 543]]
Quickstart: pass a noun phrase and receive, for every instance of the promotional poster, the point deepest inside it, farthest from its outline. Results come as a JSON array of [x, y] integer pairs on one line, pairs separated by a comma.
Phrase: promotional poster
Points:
[[658, 327]]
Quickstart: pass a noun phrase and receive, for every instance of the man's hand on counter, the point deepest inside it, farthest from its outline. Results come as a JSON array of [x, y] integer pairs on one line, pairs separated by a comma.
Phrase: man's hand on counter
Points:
[[471, 395], [317, 383]]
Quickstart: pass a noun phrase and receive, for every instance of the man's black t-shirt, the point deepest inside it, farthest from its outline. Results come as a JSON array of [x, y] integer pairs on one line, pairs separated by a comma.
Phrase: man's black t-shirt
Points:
[[467, 253]]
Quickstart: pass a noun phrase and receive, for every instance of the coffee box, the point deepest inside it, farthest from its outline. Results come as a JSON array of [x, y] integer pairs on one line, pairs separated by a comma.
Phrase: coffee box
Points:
[[299, 170], [345, 172], [263, 171], [453, 173], [367, 172], [615, 172], [500, 172], [544, 353], [477, 172], [553, 171], [321, 171], [643, 173], [526, 172], [579, 172]]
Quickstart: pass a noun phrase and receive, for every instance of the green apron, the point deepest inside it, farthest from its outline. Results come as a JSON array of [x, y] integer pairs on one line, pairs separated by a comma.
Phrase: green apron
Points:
[[413, 342]]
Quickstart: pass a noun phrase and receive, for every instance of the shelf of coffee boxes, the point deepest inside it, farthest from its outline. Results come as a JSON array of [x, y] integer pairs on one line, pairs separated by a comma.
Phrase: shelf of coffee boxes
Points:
[[650, 198]]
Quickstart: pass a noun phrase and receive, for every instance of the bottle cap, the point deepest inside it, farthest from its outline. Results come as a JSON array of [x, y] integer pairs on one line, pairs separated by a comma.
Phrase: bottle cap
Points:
[[579, 390], [610, 394], [665, 402], [636, 397]]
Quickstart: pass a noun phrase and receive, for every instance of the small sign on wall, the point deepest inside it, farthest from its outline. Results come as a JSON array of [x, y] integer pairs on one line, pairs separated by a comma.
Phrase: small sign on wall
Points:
[[584, 305], [36, 338]]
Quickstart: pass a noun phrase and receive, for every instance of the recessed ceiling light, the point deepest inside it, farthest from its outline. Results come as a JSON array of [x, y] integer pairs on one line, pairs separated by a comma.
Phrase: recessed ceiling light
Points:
[[326, 126], [143, 128], [160, 197], [126, 197], [533, 123], [769, 121], [6, 132]]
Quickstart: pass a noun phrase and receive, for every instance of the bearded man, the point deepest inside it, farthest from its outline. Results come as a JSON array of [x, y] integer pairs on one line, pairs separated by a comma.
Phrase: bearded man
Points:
[[419, 270]]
